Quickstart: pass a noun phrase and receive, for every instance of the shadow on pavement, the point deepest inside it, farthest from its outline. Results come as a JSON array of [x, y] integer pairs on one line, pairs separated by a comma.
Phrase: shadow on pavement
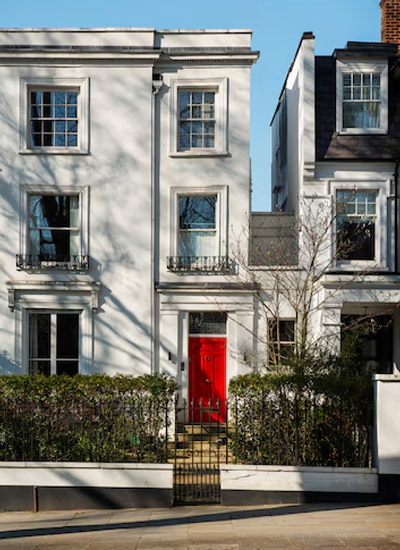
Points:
[[165, 522]]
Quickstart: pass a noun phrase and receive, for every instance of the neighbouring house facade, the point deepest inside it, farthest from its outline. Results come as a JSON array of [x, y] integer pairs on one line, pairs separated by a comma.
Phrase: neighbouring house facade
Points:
[[335, 153], [125, 182]]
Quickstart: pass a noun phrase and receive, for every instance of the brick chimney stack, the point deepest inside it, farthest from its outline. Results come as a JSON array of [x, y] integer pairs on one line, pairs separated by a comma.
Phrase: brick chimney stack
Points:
[[390, 22]]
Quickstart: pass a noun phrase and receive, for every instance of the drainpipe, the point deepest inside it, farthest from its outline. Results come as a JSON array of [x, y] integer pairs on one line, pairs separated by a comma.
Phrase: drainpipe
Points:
[[156, 86], [396, 217]]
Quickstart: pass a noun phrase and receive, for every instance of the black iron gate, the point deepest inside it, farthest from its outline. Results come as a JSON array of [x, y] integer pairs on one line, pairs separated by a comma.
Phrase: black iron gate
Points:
[[200, 447]]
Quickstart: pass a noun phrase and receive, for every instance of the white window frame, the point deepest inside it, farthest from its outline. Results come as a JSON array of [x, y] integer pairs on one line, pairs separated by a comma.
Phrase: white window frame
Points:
[[220, 86], [380, 67], [39, 189], [382, 189], [220, 215], [32, 84], [53, 336], [278, 343], [47, 297]]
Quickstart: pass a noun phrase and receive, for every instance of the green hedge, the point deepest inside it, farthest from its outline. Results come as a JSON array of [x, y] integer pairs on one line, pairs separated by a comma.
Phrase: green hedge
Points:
[[323, 419], [94, 418]]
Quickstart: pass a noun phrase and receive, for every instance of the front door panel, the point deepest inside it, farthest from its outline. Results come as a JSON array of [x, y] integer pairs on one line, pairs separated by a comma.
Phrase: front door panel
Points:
[[207, 378]]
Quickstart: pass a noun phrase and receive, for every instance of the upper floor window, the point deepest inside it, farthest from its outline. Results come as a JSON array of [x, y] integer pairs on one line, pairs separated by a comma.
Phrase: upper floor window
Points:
[[196, 119], [54, 116], [199, 124], [362, 98], [198, 230], [54, 228], [197, 226], [356, 225]]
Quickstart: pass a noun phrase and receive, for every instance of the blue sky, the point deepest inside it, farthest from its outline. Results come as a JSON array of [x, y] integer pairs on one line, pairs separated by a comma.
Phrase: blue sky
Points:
[[277, 25]]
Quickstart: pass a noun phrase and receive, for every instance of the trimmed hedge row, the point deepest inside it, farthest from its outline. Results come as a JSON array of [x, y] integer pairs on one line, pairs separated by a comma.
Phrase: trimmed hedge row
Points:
[[320, 420], [94, 418]]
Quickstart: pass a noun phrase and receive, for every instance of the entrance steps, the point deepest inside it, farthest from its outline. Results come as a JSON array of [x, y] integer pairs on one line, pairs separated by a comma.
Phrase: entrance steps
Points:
[[200, 444]]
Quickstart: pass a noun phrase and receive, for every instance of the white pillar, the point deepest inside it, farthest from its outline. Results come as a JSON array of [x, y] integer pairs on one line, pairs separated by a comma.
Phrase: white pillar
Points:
[[331, 327], [387, 433], [169, 343]]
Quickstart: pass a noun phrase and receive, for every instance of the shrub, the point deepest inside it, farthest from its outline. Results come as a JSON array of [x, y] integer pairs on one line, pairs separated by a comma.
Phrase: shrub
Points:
[[317, 416], [94, 418]]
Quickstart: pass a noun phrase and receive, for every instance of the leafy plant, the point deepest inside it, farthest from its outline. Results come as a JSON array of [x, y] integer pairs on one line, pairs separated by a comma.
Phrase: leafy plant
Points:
[[85, 418]]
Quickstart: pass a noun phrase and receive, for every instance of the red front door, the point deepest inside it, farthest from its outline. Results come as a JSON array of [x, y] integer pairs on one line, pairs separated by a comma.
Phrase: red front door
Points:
[[207, 379]]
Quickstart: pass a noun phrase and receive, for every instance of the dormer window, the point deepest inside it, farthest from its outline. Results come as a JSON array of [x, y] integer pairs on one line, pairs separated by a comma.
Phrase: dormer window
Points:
[[361, 106]]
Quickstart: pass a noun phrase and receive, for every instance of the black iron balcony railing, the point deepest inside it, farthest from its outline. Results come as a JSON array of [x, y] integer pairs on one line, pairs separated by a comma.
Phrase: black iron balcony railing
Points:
[[200, 264], [43, 261]]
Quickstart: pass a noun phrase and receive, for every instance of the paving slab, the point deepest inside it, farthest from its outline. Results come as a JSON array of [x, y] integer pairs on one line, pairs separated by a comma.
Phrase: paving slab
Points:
[[272, 527]]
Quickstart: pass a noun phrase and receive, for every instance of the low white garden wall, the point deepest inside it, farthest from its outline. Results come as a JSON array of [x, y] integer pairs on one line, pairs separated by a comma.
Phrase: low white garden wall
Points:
[[298, 479], [82, 474]]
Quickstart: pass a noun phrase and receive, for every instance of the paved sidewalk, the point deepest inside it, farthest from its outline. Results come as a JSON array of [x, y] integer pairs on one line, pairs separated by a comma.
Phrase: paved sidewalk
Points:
[[307, 527]]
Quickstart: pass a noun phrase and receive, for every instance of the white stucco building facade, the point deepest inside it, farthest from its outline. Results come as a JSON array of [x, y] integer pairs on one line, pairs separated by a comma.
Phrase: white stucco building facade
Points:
[[125, 181], [330, 156]]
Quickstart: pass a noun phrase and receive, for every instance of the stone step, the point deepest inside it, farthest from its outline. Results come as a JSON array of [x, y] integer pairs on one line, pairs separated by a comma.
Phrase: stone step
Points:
[[198, 443], [201, 428]]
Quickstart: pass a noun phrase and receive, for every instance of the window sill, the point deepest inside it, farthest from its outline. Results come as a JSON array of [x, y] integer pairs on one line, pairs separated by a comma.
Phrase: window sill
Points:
[[54, 151], [362, 132], [199, 153], [360, 265]]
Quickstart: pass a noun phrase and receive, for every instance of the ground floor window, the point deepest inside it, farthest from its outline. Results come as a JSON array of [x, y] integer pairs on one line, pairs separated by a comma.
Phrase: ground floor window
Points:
[[54, 343], [281, 340], [372, 337]]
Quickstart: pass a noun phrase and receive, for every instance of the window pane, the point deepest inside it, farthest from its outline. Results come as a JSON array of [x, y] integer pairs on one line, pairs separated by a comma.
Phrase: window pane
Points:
[[376, 80], [184, 141], [197, 212], [184, 98], [356, 240], [69, 368], [67, 335], [72, 98], [39, 335], [39, 367], [53, 244], [346, 93], [356, 79], [59, 140], [209, 97], [209, 141], [197, 140], [366, 79], [36, 98], [72, 140], [207, 323], [71, 112], [59, 98], [197, 98], [53, 210], [198, 243], [196, 112], [347, 79], [361, 115], [281, 330]]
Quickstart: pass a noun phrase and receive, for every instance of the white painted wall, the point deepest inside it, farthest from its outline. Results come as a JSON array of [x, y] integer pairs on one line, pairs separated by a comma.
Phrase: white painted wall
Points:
[[300, 138], [79, 474], [387, 423], [239, 477], [118, 173]]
